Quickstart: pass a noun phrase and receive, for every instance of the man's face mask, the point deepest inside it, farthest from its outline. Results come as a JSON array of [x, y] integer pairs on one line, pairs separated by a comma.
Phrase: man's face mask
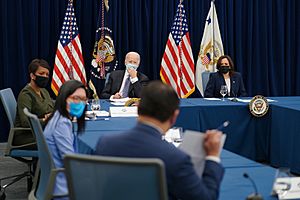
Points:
[[41, 81], [131, 66]]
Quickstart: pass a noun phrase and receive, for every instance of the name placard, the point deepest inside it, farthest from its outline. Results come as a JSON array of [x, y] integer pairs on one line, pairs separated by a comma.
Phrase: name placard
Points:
[[123, 111]]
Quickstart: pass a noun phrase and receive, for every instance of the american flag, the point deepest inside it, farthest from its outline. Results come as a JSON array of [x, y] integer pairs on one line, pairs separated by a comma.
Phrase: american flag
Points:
[[206, 59], [68, 60], [177, 65]]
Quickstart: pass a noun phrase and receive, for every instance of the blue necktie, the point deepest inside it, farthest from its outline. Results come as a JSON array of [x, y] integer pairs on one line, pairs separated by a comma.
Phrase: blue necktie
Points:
[[126, 88]]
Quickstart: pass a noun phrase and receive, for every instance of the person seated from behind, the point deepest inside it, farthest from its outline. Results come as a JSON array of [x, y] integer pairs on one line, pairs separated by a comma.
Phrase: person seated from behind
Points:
[[157, 112], [59, 132], [125, 83], [35, 98], [225, 76]]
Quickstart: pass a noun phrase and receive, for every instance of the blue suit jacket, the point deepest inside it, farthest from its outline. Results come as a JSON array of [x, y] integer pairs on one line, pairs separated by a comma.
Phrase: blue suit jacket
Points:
[[115, 81], [216, 80], [146, 142]]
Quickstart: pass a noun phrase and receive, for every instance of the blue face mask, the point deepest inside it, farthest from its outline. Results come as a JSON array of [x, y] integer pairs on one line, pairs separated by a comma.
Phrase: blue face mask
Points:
[[76, 109], [131, 66]]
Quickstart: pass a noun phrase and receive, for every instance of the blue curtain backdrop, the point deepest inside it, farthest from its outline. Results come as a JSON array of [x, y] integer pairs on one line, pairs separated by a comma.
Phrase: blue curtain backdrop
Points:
[[262, 36]]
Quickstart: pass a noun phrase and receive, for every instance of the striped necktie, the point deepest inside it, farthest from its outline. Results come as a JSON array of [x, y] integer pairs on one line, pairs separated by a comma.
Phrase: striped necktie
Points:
[[126, 88]]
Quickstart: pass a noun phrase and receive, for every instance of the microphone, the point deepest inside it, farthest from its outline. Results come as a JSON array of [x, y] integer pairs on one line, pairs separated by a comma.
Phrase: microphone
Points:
[[255, 195], [234, 95]]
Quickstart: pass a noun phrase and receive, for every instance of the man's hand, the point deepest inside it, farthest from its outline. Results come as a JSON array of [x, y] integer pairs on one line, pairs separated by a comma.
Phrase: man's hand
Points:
[[132, 72], [117, 96], [212, 142]]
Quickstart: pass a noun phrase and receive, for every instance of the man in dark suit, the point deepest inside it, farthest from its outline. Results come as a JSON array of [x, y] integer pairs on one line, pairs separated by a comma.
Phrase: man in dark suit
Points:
[[125, 83], [158, 110], [225, 76]]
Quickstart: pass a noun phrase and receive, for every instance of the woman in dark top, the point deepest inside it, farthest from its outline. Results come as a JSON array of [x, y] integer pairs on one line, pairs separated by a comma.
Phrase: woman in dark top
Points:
[[225, 76], [35, 98]]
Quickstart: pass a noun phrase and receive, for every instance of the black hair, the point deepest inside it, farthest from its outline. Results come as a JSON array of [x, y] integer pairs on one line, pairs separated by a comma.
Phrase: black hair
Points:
[[34, 65], [158, 100], [66, 90]]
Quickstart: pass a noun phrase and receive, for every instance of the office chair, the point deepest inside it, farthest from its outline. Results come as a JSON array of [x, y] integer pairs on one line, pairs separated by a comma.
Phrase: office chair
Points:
[[205, 78], [114, 178], [48, 171], [28, 157]]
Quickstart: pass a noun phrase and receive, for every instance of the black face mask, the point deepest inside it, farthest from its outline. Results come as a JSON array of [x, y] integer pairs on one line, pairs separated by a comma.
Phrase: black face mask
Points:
[[41, 81], [224, 69]]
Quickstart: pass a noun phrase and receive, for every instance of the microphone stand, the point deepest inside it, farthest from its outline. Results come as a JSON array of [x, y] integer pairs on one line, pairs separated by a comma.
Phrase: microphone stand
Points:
[[234, 99], [255, 195]]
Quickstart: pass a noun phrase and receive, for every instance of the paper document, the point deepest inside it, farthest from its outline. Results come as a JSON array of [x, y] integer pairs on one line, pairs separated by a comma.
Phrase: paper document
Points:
[[192, 145], [212, 99], [119, 100], [118, 103], [287, 187], [248, 100], [98, 113]]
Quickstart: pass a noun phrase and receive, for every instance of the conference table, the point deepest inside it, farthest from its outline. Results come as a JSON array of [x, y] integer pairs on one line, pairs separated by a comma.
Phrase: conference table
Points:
[[248, 136], [273, 138]]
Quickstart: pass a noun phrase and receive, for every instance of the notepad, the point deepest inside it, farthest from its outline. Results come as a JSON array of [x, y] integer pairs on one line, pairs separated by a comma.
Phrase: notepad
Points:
[[192, 145]]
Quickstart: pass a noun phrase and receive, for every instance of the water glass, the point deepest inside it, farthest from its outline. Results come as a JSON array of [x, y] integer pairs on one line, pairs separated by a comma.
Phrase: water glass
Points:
[[223, 91], [95, 104]]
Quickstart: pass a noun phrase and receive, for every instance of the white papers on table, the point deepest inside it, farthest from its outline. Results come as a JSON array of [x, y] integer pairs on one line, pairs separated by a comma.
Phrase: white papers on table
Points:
[[192, 145], [118, 103], [248, 100], [241, 100], [212, 99], [98, 113], [287, 187], [123, 111]]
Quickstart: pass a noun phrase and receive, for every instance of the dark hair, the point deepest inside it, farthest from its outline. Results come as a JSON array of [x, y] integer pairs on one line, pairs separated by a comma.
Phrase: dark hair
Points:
[[231, 64], [34, 65], [158, 100], [67, 89]]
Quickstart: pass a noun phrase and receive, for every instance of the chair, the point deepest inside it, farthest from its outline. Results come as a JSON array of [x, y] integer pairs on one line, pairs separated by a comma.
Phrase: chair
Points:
[[114, 178], [28, 157], [205, 78], [48, 171]]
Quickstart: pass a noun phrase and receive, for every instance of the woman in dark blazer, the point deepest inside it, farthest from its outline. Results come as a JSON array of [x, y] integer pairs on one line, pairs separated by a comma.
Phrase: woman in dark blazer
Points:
[[225, 76]]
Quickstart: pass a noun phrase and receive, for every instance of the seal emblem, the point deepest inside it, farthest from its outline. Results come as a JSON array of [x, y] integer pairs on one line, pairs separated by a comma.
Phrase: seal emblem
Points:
[[258, 106]]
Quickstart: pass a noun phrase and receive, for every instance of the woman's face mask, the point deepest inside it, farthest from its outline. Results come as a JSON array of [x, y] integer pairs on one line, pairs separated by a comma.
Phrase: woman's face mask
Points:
[[224, 69], [76, 109], [41, 81]]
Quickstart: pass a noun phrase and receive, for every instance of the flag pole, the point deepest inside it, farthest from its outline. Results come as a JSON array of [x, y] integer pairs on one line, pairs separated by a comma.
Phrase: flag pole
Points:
[[71, 76], [213, 37], [180, 47]]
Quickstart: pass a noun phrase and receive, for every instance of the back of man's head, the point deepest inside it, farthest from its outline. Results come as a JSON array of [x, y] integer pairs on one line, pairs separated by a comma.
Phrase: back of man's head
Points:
[[158, 100]]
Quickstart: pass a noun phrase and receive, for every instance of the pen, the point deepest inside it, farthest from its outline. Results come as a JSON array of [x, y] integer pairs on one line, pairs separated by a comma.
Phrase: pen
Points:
[[223, 125]]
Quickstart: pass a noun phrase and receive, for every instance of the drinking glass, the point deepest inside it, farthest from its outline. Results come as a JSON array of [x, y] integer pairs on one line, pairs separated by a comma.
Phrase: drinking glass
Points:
[[95, 105], [223, 91]]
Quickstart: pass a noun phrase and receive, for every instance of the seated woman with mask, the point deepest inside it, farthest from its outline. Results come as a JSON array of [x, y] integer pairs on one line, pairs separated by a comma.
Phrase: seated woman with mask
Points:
[[59, 132], [225, 76], [36, 99]]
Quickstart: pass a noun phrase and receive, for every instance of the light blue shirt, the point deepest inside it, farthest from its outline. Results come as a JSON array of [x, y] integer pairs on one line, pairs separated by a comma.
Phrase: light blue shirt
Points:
[[61, 141]]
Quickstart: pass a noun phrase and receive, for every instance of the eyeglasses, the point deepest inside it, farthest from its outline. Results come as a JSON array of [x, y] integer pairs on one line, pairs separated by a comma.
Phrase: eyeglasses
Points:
[[78, 99]]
